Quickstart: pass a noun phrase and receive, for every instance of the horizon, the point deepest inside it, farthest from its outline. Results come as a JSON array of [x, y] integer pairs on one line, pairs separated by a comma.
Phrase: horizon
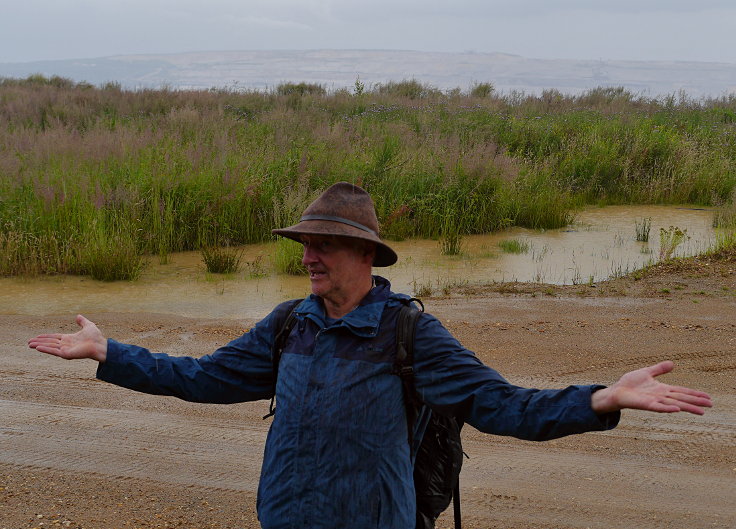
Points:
[[383, 50], [657, 30]]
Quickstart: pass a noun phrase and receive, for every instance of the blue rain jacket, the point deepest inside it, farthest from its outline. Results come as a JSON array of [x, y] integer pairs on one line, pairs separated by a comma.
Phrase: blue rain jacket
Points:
[[337, 453]]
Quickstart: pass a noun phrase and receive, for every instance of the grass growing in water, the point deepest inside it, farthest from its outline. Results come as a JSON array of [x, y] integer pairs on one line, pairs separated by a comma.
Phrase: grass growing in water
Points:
[[221, 260], [643, 227], [669, 240], [176, 167], [111, 255], [287, 257], [514, 246]]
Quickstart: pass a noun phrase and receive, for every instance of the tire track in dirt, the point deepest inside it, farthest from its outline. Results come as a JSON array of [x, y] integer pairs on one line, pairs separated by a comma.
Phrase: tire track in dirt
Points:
[[136, 444], [554, 486], [633, 362]]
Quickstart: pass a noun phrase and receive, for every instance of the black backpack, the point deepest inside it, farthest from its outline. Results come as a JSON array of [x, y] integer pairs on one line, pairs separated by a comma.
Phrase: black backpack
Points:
[[439, 457]]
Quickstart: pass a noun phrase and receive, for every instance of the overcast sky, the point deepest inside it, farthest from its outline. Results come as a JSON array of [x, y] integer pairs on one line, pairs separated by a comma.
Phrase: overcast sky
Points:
[[700, 30]]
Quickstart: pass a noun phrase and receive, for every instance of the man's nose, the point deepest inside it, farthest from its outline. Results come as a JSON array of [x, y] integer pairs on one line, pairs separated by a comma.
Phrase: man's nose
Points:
[[309, 256]]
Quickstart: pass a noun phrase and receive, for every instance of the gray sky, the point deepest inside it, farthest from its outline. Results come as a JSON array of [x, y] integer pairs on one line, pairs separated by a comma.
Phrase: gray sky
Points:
[[699, 30]]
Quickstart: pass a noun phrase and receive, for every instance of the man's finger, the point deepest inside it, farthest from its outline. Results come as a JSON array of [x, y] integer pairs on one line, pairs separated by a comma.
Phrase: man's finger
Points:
[[661, 368], [697, 400], [44, 339], [689, 391]]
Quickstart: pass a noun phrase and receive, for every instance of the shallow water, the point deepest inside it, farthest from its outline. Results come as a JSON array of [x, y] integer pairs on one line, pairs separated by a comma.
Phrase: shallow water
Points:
[[599, 244]]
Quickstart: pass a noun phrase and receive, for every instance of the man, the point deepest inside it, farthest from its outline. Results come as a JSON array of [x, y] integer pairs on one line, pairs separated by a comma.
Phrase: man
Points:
[[337, 452]]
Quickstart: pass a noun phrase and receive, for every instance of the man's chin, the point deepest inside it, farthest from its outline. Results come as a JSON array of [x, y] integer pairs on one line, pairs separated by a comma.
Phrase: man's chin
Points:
[[317, 286]]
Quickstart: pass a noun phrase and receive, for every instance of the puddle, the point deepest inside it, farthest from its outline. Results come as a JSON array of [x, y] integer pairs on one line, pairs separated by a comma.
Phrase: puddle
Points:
[[600, 244]]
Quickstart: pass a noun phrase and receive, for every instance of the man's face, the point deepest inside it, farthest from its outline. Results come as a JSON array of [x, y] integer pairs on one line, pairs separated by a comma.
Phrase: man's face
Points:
[[336, 265]]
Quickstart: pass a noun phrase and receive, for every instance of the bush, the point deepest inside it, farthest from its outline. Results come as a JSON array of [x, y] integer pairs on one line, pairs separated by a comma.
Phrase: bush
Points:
[[482, 90], [221, 260], [112, 257], [286, 89], [411, 89]]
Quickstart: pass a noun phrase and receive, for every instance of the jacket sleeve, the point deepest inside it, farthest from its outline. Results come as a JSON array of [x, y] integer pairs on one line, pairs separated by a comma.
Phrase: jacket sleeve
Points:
[[237, 372], [451, 380]]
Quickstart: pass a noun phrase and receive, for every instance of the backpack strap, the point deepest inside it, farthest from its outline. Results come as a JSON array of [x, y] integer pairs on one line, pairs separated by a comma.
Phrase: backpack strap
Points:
[[285, 323], [404, 368], [404, 365]]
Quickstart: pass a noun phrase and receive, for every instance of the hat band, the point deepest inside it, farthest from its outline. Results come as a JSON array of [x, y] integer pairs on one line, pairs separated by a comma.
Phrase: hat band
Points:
[[339, 219]]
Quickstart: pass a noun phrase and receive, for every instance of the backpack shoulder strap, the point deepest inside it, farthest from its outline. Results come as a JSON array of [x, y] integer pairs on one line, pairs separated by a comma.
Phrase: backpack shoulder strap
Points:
[[404, 364], [285, 323]]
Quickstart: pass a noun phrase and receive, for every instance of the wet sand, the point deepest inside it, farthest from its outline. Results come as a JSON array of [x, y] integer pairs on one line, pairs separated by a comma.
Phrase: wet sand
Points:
[[79, 453]]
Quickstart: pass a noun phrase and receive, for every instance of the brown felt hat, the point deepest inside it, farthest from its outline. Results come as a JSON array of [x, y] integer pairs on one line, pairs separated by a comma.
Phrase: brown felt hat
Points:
[[344, 210]]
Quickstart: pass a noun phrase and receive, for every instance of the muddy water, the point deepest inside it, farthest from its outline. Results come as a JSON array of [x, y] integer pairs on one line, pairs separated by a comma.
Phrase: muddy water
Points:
[[599, 244]]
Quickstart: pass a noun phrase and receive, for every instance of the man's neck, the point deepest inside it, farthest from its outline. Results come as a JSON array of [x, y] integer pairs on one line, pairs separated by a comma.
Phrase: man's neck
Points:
[[336, 309]]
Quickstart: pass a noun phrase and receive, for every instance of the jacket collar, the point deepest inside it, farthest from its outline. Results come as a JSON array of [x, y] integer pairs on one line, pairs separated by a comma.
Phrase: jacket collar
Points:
[[363, 320]]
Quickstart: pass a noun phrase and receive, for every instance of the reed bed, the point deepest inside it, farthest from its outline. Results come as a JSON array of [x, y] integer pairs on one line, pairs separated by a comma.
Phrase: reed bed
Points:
[[87, 173]]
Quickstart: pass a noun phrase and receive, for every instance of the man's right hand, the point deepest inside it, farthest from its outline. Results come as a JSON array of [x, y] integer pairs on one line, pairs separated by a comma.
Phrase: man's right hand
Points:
[[87, 343]]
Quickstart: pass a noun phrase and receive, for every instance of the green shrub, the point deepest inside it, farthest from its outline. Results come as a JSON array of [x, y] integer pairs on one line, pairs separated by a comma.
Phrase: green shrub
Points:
[[300, 89], [221, 260], [669, 240], [482, 90], [112, 256]]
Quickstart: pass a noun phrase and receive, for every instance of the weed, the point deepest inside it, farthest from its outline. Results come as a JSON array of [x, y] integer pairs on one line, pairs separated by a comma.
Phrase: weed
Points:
[[643, 227], [482, 90], [255, 268], [669, 240], [112, 257], [422, 290], [724, 216], [448, 286], [287, 257], [300, 89], [221, 260], [515, 246]]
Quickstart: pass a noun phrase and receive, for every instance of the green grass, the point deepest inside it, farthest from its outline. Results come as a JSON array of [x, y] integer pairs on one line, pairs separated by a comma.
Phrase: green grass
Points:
[[160, 171], [669, 240], [287, 258], [221, 260], [514, 246], [642, 228]]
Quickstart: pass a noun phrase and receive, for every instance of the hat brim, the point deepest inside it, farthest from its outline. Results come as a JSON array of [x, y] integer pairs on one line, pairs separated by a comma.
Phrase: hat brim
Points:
[[385, 256]]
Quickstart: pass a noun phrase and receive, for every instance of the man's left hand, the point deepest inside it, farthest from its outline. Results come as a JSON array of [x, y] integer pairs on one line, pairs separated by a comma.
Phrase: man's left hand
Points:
[[641, 391]]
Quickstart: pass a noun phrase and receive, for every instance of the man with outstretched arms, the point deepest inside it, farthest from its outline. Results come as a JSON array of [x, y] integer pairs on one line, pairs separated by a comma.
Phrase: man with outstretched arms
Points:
[[337, 452]]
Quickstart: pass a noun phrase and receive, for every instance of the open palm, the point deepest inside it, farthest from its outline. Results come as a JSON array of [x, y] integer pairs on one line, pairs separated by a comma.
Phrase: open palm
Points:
[[640, 390], [86, 343]]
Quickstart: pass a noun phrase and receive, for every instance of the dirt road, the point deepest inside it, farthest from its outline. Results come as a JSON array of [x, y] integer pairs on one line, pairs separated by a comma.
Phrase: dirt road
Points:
[[78, 453]]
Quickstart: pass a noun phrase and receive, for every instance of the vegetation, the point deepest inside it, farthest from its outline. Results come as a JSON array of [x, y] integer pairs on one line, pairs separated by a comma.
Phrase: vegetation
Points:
[[287, 258], [643, 227], [221, 259], [97, 177], [669, 240], [514, 246]]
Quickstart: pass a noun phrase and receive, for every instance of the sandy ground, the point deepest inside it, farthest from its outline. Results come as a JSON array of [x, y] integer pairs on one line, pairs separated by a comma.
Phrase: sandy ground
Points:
[[79, 453]]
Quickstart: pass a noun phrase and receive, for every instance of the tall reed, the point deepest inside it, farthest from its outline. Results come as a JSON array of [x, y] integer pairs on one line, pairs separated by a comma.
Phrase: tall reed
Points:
[[168, 170]]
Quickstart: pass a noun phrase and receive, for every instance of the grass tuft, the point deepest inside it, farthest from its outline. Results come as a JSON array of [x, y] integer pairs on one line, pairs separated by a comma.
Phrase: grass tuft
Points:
[[287, 257], [643, 227], [515, 246], [221, 260], [669, 240]]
